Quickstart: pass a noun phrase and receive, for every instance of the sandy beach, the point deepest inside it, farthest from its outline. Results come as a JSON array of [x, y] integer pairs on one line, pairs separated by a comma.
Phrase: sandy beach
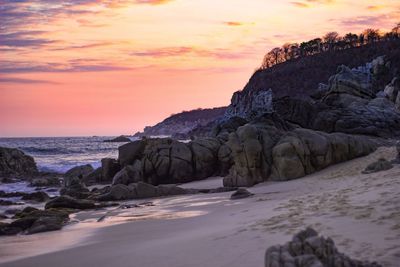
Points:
[[361, 212]]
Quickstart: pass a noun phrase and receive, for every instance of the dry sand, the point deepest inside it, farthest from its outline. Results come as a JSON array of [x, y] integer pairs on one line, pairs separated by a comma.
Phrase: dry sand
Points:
[[360, 212]]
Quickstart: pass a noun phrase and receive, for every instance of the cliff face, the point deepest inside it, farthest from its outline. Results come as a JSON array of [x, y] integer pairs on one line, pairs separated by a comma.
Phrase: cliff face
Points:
[[181, 124], [305, 77]]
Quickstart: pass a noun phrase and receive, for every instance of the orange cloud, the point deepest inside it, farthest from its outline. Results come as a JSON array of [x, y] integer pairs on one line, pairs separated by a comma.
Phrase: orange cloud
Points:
[[374, 8], [300, 4], [233, 23], [153, 2]]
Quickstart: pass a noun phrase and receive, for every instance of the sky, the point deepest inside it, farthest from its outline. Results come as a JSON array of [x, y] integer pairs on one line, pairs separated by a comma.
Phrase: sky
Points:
[[103, 67]]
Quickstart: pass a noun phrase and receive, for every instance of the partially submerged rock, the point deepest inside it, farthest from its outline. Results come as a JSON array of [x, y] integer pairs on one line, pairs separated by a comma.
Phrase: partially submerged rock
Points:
[[308, 249], [78, 171], [119, 139], [36, 196]]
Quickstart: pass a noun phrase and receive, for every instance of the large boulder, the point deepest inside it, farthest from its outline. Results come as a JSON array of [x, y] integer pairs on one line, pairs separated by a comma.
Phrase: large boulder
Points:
[[14, 162], [205, 156], [109, 167], [130, 152], [308, 249]]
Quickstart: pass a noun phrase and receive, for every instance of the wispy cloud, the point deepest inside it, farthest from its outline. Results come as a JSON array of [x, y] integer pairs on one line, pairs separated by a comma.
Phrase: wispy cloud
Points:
[[377, 21], [300, 4], [219, 53], [24, 81], [24, 39], [233, 23], [152, 2], [374, 8], [70, 66], [83, 46], [311, 3]]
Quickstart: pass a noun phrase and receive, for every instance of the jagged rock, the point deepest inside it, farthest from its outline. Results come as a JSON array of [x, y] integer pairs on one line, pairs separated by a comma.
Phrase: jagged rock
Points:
[[307, 249], [392, 89], [130, 152], [260, 103], [15, 162], [70, 202], [119, 139], [241, 193], [109, 168], [78, 171], [36, 196], [380, 165], [351, 82]]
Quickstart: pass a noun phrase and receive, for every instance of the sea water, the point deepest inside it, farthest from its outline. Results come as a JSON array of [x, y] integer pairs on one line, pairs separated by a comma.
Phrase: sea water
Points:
[[59, 154]]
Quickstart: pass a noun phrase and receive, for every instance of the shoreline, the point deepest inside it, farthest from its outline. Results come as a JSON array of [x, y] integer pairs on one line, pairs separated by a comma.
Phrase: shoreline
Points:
[[360, 213]]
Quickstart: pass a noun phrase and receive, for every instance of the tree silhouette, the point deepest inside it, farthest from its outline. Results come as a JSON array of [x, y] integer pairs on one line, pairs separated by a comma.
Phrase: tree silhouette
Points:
[[329, 42]]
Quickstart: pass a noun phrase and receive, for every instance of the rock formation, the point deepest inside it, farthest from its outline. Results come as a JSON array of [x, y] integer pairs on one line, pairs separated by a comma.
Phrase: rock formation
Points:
[[14, 162], [308, 249]]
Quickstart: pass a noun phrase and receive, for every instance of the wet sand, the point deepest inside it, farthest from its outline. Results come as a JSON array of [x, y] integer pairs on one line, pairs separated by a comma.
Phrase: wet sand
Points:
[[360, 212]]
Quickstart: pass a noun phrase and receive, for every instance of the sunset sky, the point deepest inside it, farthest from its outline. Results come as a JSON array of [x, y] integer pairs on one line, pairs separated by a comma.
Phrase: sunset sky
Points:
[[103, 67]]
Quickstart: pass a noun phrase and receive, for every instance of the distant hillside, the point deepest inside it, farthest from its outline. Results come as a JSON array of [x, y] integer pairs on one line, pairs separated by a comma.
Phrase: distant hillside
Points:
[[182, 123]]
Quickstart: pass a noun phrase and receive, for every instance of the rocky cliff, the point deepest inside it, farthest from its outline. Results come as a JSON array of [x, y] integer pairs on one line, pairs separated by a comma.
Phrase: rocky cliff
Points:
[[180, 125]]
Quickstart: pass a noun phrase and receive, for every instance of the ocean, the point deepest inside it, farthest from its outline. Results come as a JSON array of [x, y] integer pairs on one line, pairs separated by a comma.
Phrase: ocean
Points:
[[59, 154]]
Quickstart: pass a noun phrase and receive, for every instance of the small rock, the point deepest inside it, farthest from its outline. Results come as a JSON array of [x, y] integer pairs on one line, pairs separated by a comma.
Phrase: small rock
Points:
[[8, 203], [241, 193], [380, 165]]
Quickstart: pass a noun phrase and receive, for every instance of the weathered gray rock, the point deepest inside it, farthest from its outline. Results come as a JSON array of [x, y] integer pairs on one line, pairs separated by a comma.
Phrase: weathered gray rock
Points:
[[119, 139], [70, 202], [351, 82], [377, 166], [241, 193], [109, 168], [94, 177], [130, 152], [14, 162], [307, 249], [263, 153]]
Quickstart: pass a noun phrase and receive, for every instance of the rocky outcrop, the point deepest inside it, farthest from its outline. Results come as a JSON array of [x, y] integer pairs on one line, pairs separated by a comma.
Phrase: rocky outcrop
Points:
[[262, 152], [119, 139], [14, 162], [308, 249], [74, 187]]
